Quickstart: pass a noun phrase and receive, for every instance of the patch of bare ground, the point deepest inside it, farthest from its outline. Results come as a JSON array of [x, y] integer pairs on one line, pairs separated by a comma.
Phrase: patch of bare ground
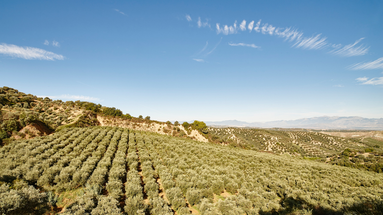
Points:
[[139, 169], [225, 194], [32, 130], [194, 211], [162, 193]]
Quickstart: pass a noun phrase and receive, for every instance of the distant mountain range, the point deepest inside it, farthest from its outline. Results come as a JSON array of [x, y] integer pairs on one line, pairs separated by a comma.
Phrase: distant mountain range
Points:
[[324, 122]]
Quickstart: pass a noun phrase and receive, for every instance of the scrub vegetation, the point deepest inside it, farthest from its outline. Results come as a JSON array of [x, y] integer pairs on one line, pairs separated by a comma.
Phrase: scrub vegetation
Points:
[[121, 171]]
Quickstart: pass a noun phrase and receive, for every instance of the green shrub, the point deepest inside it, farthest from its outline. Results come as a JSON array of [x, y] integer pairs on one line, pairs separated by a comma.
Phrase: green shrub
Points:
[[193, 196], [346, 152], [134, 205], [159, 206], [107, 205], [167, 184], [228, 207], [186, 125], [369, 150], [218, 186], [232, 187], [10, 125], [183, 211], [176, 198], [114, 187], [19, 201], [133, 189]]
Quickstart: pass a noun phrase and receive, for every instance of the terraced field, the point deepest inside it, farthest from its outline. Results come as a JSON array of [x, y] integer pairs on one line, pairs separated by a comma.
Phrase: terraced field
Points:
[[105, 170]]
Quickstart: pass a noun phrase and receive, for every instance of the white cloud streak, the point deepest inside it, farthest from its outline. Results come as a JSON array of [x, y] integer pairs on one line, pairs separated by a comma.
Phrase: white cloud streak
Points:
[[292, 35], [350, 49], [250, 26], [296, 37], [244, 44], [29, 53], [199, 57], [362, 79], [226, 30], [211, 51], [311, 43], [202, 24], [55, 43], [243, 25], [199, 60], [188, 18], [372, 81], [376, 64], [204, 48], [338, 85], [289, 34], [117, 10], [73, 97]]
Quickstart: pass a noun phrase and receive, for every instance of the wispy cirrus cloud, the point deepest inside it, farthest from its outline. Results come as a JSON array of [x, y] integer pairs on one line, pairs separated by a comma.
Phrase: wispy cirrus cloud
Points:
[[73, 97], [250, 26], [28, 53], [199, 60], [188, 18], [199, 57], [316, 42], [118, 11], [242, 26], [289, 34], [211, 51], [376, 64], [295, 36], [227, 29], [338, 85], [244, 44], [351, 49], [203, 49], [372, 81], [202, 24], [54, 43]]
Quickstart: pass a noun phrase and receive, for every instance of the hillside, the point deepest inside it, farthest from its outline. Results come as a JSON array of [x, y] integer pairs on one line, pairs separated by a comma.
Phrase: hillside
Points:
[[106, 170], [27, 116], [356, 149], [293, 142]]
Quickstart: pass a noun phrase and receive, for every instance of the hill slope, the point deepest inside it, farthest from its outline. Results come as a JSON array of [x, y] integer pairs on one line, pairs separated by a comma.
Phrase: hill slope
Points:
[[103, 170], [26, 116], [293, 142]]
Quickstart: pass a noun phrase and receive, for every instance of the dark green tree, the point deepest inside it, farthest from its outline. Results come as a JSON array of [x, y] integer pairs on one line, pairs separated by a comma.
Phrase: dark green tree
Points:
[[186, 125]]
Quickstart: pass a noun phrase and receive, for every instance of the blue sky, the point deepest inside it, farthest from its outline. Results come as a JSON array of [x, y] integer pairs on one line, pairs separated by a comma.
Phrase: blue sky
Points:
[[205, 60]]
